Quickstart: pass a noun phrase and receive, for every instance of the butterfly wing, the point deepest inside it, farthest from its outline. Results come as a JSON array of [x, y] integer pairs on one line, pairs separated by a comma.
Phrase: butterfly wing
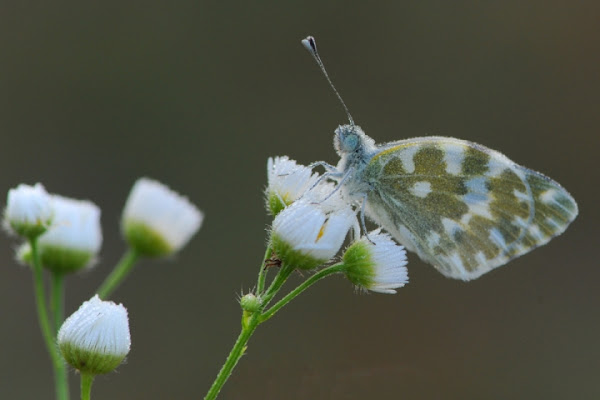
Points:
[[462, 207]]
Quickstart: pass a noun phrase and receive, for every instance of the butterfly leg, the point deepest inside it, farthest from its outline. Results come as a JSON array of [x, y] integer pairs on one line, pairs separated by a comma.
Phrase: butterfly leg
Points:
[[362, 217], [327, 175], [334, 175], [328, 167]]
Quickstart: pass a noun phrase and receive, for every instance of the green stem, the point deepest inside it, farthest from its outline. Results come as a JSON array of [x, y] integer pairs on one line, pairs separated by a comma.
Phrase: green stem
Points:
[[248, 328], [234, 356], [305, 285], [57, 306], [118, 274], [257, 318], [279, 280], [262, 272], [57, 295], [45, 325], [86, 386]]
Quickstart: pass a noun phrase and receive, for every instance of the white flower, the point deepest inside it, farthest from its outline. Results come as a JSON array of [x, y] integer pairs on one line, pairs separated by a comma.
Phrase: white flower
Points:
[[156, 220], [305, 235], [74, 239], [28, 210], [95, 339], [287, 182], [379, 265]]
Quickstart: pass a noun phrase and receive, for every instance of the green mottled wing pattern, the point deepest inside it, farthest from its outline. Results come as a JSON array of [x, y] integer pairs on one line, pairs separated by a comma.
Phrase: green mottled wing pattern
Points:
[[462, 207]]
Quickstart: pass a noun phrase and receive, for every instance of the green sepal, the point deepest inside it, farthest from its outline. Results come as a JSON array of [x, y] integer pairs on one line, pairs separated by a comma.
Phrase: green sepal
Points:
[[359, 264], [275, 203], [90, 362], [29, 231], [290, 256], [146, 241], [64, 260]]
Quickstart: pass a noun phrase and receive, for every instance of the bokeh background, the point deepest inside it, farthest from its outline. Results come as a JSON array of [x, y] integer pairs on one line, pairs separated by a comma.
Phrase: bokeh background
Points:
[[198, 94]]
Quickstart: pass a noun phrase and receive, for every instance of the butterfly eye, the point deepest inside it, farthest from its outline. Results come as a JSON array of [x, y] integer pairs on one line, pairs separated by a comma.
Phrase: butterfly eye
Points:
[[351, 142], [346, 139]]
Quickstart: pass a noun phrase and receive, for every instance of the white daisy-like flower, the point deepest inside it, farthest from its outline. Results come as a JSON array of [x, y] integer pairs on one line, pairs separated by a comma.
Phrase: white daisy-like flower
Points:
[[74, 239], [95, 339], [158, 221], [28, 210], [306, 235], [378, 265], [287, 182]]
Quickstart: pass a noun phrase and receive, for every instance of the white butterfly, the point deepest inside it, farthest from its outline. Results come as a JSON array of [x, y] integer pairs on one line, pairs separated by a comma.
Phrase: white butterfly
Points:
[[460, 206]]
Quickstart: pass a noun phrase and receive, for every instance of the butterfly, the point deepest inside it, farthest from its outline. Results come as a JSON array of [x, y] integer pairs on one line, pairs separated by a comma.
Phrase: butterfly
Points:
[[462, 207]]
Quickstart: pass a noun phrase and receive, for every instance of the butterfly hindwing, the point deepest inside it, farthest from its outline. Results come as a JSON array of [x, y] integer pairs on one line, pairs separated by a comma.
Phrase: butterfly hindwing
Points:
[[462, 207]]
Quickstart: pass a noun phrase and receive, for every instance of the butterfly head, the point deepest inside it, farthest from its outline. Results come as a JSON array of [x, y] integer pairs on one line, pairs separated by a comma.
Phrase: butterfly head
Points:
[[350, 139]]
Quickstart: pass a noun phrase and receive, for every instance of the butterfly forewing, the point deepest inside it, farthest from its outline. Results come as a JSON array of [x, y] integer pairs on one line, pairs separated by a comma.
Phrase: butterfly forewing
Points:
[[462, 207]]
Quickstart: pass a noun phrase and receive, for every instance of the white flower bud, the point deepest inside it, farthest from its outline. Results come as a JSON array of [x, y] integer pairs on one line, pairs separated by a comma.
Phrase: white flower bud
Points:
[[379, 266], [288, 181], [305, 235], [157, 221], [74, 239], [95, 339], [28, 211]]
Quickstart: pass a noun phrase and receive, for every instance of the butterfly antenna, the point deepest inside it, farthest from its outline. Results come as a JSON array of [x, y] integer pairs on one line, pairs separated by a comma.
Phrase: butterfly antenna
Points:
[[311, 46]]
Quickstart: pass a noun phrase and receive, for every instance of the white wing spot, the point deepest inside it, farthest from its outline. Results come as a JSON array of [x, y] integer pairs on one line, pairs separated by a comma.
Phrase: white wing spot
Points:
[[477, 185], [480, 257], [552, 222], [433, 239], [520, 222], [466, 218], [421, 189], [451, 226], [479, 204], [496, 166], [481, 209], [521, 196], [497, 238], [456, 261], [548, 196], [407, 157], [454, 156], [534, 230]]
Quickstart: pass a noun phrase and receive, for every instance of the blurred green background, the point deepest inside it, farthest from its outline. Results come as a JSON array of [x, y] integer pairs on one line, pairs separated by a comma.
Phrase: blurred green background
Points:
[[197, 95]]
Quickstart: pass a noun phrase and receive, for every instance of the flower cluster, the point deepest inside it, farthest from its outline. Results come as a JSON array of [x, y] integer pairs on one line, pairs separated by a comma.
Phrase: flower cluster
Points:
[[156, 222], [312, 220], [64, 236], [68, 231]]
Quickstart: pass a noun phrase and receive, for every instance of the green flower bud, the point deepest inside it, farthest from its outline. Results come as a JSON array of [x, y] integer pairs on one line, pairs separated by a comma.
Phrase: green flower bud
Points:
[[250, 303]]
